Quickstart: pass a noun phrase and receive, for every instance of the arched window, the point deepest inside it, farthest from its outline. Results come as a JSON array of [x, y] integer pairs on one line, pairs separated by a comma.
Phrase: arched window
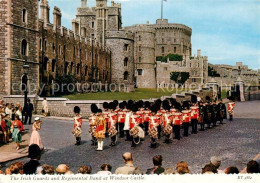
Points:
[[53, 47], [24, 48], [53, 65], [78, 68], [125, 75], [66, 67], [45, 45], [45, 63], [125, 61], [40, 44], [162, 50], [71, 67], [86, 70], [24, 16], [140, 39]]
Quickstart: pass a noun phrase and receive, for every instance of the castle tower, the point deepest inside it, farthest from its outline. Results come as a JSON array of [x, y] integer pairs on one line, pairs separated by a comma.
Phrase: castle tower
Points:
[[101, 20], [45, 12], [145, 56], [121, 44]]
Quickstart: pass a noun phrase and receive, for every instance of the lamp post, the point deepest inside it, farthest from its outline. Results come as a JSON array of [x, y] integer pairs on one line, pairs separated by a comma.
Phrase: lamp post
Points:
[[24, 82]]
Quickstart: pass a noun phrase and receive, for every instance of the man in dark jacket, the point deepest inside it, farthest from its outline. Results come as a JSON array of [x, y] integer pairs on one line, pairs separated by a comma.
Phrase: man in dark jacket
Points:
[[222, 112], [28, 111], [33, 164], [157, 162]]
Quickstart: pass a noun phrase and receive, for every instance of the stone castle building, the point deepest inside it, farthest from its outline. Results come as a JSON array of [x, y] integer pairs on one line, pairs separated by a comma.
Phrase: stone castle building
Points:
[[48, 49]]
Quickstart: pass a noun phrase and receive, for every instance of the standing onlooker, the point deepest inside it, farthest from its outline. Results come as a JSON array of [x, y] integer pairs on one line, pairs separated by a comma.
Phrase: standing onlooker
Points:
[[28, 111], [19, 113], [129, 167], [105, 169], [231, 170], [35, 137], [45, 109], [33, 164], [216, 161], [17, 127], [3, 128], [157, 162], [17, 168], [8, 110]]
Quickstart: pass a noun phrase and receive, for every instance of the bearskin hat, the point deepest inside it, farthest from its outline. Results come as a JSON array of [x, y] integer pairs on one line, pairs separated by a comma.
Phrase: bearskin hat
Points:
[[193, 99], [112, 105], [94, 108], [135, 108], [147, 104], [154, 108], [186, 104], [140, 103], [76, 109], [99, 110], [116, 102], [121, 105], [105, 105]]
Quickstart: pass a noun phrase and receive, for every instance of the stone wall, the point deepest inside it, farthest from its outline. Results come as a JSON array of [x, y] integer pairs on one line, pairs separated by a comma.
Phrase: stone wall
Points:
[[3, 47]]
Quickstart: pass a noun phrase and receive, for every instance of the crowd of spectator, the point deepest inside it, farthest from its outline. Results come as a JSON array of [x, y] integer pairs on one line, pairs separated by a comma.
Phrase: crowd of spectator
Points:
[[34, 167]]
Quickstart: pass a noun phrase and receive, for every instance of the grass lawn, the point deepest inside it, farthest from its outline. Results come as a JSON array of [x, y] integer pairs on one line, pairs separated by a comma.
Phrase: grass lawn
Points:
[[140, 93]]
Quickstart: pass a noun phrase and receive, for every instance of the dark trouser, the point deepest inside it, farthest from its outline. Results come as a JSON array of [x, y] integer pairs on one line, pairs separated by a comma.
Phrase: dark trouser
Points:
[[230, 117], [214, 121], [159, 129], [78, 139], [146, 127], [94, 141], [186, 128], [177, 131], [128, 138], [121, 130], [194, 124], [153, 143], [28, 115], [202, 126], [209, 122], [113, 140], [220, 120], [134, 140], [167, 139]]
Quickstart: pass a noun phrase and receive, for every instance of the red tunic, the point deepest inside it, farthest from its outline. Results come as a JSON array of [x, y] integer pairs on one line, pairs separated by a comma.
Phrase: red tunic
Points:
[[134, 120], [153, 121], [112, 119], [231, 106], [121, 116], [77, 122], [3, 126], [141, 116], [177, 118], [186, 116], [194, 112]]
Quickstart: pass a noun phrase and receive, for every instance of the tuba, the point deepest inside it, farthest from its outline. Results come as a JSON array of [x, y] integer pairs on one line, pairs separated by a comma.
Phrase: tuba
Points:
[[134, 132]]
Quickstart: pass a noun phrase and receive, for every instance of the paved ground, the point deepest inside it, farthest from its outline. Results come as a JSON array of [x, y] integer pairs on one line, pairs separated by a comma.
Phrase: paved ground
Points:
[[235, 142]]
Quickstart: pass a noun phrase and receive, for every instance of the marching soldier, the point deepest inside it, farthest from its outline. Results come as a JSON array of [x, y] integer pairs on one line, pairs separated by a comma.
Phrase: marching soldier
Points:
[[231, 106], [222, 112], [177, 122], [208, 113], [77, 125], [186, 117], [112, 123], [134, 122], [214, 113], [153, 122], [92, 126], [121, 119], [166, 122], [147, 114], [201, 116], [194, 114], [100, 131]]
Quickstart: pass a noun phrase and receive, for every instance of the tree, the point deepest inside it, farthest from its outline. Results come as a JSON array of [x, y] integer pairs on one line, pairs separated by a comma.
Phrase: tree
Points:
[[180, 77], [63, 82]]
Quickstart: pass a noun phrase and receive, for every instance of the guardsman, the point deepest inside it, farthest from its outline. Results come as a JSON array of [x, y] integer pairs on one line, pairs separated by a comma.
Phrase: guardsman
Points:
[[222, 112], [77, 125], [106, 112], [112, 123], [177, 121], [194, 118], [134, 122], [186, 118], [146, 116], [201, 116], [100, 131], [153, 123], [214, 113], [121, 119], [231, 106], [92, 127]]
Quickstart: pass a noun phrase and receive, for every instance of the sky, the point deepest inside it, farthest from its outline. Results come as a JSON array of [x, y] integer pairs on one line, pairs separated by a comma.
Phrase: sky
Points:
[[227, 31]]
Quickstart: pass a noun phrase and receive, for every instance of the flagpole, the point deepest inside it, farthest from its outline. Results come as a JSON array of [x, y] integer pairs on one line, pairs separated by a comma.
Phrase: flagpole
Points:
[[162, 10]]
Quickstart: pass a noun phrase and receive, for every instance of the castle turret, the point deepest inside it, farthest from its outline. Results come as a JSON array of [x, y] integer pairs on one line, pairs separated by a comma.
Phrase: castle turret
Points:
[[45, 12], [56, 16], [101, 3], [83, 3]]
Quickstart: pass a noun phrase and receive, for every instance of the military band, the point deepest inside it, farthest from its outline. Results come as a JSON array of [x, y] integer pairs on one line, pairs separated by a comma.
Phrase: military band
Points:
[[135, 120]]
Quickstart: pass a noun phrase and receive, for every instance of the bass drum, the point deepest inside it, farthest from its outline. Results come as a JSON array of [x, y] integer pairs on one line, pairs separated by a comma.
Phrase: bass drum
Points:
[[141, 133]]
